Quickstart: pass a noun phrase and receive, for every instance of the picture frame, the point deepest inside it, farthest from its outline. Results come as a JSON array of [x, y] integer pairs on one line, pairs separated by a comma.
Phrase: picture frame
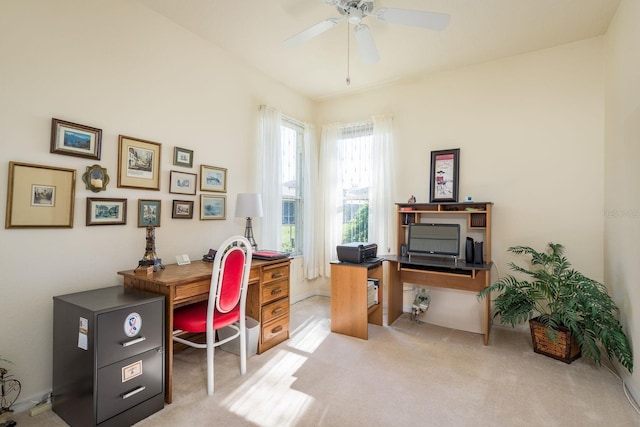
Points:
[[182, 209], [73, 139], [138, 163], [182, 182], [149, 212], [213, 206], [106, 211], [213, 178], [445, 167], [182, 157], [40, 196]]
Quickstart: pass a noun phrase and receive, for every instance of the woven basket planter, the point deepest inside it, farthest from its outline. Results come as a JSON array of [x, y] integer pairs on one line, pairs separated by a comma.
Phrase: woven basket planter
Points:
[[565, 348]]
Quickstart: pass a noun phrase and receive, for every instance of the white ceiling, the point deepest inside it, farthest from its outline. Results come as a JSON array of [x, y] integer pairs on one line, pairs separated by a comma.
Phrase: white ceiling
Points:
[[480, 30]]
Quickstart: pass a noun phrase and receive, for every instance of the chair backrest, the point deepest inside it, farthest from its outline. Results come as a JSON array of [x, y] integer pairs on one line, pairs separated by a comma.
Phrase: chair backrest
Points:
[[230, 277]]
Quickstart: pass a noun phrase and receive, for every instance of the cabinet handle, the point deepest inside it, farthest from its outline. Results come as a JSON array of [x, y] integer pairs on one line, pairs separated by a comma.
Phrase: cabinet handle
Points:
[[276, 275], [277, 329], [134, 392], [276, 291], [277, 310], [132, 342]]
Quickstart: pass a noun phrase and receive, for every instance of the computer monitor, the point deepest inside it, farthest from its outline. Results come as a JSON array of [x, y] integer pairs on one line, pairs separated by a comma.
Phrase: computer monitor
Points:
[[434, 239]]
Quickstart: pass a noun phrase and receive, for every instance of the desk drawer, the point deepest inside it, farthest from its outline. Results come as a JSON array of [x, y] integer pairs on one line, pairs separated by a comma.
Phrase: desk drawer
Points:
[[254, 275], [275, 272], [189, 290], [275, 332], [275, 309], [274, 291]]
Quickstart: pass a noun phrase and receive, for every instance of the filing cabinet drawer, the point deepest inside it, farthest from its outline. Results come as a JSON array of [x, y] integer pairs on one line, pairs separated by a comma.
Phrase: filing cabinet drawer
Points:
[[275, 272], [126, 332], [275, 309], [275, 332], [129, 382], [274, 291]]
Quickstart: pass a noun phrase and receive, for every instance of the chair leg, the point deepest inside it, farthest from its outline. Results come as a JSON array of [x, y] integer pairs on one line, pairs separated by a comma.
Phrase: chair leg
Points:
[[243, 349], [210, 356]]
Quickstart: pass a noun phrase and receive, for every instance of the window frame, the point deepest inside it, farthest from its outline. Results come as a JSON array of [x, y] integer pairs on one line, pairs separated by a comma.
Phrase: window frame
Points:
[[297, 199]]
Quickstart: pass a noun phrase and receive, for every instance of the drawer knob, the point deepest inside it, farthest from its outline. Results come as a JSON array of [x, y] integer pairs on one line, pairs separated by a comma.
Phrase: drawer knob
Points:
[[276, 291], [133, 392], [277, 310], [277, 329], [276, 275], [132, 342]]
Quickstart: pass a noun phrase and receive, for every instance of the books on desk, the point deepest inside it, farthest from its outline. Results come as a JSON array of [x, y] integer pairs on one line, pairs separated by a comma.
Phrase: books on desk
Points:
[[269, 254], [372, 292]]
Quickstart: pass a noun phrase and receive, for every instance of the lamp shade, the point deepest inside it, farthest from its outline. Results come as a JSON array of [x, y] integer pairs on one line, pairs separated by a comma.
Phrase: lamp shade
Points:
[[249, 205]]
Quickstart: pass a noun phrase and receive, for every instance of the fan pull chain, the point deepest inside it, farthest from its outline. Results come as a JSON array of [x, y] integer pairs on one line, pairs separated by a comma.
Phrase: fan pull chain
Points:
[[348, 72]]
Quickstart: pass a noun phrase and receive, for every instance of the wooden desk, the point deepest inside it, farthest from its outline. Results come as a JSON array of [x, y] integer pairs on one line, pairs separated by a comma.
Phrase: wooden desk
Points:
[[267, 299], [442, 274]]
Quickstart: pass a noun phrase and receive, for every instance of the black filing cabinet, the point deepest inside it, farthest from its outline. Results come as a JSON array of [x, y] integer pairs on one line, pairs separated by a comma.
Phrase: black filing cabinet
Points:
[[108, 356]]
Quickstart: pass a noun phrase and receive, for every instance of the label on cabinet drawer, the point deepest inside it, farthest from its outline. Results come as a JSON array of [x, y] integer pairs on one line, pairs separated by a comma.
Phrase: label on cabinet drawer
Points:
[[83, 333], [131, 371]]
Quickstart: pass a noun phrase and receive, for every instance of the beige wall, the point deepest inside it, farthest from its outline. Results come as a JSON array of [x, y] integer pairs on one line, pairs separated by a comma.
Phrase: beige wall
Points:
[[622, 175], [120, 67], [530, 130]]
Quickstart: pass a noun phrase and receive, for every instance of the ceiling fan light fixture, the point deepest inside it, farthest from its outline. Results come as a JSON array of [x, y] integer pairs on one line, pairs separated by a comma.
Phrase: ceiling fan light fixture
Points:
[[355, 16]]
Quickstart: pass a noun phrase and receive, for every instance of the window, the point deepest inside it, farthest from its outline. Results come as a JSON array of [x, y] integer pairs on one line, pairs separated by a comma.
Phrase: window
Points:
[[291, 179], [355, 157]]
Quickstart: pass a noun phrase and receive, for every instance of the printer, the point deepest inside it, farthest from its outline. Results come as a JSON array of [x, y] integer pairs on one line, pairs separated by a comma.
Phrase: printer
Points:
[[357, 252]]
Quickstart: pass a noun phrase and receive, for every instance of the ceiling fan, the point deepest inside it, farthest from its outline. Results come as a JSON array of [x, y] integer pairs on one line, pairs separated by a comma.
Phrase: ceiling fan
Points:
[[355, 11]]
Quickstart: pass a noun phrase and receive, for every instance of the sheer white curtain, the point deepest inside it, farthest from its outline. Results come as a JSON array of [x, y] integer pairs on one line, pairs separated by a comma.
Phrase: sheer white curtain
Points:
[[312, 230], [269, 138], [331, 192], [381, 203], [381, 184]]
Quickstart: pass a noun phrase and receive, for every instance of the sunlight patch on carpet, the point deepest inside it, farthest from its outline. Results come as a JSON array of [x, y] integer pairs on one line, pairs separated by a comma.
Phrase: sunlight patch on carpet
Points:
[[267, 398], [310, 334]]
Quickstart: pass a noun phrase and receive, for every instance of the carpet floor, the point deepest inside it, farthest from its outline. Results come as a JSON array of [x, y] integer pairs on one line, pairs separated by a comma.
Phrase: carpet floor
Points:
[[407, 374]]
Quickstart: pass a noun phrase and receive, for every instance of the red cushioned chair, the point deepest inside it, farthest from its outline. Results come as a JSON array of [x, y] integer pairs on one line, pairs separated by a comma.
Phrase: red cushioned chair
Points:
[[225, 307]]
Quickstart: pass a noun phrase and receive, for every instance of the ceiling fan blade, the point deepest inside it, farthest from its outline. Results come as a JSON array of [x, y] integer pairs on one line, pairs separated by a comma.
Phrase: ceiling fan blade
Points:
[[311, 32], [414, 18], [367, 46]]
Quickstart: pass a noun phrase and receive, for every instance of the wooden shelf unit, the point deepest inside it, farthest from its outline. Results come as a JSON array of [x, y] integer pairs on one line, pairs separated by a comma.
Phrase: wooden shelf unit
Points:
[[349, 312], [478, 218], [454, 274]]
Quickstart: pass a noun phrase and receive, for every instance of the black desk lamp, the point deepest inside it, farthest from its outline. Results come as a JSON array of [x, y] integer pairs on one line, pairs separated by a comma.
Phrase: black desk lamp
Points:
[[249, 205]]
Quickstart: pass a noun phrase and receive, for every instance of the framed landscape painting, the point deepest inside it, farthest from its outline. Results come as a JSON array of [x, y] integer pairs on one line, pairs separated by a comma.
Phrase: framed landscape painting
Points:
[[213, 207], [182, 183], [213, 179], [72, 139], [138, 163], [103, 211]]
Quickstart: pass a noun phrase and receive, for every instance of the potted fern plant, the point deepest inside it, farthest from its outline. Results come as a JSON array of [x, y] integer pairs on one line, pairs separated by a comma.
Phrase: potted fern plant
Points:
[[562, 307]]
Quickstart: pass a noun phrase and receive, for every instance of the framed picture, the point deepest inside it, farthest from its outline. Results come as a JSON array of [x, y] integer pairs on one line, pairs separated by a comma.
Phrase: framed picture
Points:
[[148, 213], [182, 183], [72, 139], [213, 207], [138, 163], [182, 157], [182, 209], [213, 179], [445, 166], [101, 211], [40, 196]]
